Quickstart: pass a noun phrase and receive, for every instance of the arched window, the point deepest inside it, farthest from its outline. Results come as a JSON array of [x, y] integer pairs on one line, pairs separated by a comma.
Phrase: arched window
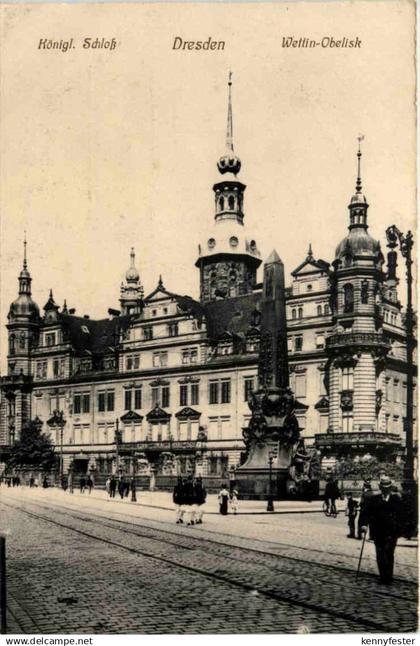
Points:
[[231, 202], [326, 309], [365, 292], [222, 203], [12, 344], [293, 314], [319, 310], [348, 298], [300, 314]]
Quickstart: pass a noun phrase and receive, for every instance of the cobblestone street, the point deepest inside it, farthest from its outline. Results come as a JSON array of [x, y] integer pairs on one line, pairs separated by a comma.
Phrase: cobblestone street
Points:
[[90, 565]]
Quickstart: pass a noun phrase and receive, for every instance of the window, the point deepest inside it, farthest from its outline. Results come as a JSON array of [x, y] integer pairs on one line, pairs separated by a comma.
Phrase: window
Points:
[[173, 329], [160, 359], [300, 312], [347, 419], [248, 387], [56, 368], [319, 310], [293, 313], [214, 392], [404, 393], [110, 399], [309, 288], [137, 399], [77, 404], [41, 369], [101, 402], [300, 385], [396, 391], [50, 339], [226, 391], [189, 355], [298, 343], [81, 403], [183, 395], [154, 312], [148, 333], [194, 394], [326, 309], [231, 202], [160, 396], [86, 403], [132, 362], [165, 396], [127, 400], [348, 298], [319, 340], [106, 401], [347, 378]]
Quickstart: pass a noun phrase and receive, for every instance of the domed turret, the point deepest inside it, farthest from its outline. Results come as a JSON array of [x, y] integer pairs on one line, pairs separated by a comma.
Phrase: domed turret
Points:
[[132, 274], [131, 294], [24, 306]]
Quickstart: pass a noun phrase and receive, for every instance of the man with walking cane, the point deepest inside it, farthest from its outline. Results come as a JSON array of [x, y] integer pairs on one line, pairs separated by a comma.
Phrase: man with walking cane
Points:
[[383, 514]]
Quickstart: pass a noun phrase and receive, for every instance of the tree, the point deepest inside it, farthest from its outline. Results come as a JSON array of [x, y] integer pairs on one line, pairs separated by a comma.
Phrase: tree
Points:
[[33, 450]]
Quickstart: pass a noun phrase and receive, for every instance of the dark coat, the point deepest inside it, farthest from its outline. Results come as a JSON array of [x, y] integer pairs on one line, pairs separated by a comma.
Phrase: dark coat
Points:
[[200, 493], [352, 507], [189, 498], [178, 495], [331, 490], [384, 517]]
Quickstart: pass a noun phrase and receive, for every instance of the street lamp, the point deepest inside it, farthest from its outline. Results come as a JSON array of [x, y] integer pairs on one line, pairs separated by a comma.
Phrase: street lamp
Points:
[[133, 479], [405, 242], [57, 421], [117, 440], [270, 504]]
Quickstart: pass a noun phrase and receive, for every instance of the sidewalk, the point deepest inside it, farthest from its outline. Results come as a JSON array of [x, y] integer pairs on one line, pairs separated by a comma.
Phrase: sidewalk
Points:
[[163, 500]]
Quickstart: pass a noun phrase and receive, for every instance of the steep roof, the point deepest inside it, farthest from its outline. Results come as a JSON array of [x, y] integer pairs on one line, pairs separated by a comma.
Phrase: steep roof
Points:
[[234, 315], [88, 335]]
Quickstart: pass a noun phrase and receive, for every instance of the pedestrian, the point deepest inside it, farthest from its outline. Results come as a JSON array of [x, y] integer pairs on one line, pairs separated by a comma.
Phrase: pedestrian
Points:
[[45, 483], [9, 482], [223, 500], [126, 488], [200, 495], [121, 487], [351, 513], [189, 501], [234, 500], [82, 484], [112, 486], [383, 514], [17, 481], [332, 492], [31, 482], [179, 499], [89, 483], [364, 498], [107, 485]]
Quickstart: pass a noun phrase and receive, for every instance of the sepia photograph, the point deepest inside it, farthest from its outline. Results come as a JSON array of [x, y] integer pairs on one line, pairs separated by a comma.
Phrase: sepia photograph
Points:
[[208, 309]]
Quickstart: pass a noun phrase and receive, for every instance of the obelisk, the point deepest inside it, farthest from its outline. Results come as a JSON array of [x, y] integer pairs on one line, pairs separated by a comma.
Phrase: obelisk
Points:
[[273, 430]]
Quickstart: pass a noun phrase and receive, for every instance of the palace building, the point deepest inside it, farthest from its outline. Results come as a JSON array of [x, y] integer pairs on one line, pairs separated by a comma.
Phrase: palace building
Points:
[[173, 374]]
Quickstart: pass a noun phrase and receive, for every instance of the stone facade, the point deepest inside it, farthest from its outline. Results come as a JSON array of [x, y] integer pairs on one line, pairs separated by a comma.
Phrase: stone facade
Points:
[[170, 372]]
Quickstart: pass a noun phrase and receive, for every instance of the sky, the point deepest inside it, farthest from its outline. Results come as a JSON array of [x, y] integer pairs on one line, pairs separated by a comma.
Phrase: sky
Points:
[[102, 151]]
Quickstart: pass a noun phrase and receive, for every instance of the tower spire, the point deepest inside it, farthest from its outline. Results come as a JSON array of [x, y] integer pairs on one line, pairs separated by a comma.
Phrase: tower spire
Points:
[[229, 128], [25, 263], [359, 157]]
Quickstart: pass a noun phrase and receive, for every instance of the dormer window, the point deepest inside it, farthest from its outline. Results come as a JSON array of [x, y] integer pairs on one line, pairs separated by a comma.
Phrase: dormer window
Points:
[[173, 329], [50, 339], [148, 333]]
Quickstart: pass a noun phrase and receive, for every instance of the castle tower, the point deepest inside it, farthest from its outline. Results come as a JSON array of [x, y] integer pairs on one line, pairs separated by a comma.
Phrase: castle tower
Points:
[[228, 260], [131, 294], [23, 332], [356, 347]]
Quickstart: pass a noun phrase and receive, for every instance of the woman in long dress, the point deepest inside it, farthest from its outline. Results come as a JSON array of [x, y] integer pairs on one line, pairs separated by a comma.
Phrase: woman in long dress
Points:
[[223, 500]]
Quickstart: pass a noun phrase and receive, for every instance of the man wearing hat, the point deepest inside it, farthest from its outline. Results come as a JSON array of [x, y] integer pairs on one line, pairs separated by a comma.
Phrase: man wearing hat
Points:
[[383, 514]]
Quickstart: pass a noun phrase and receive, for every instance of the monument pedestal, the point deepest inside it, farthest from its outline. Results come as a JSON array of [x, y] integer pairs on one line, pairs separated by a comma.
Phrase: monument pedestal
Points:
[[253, 477]]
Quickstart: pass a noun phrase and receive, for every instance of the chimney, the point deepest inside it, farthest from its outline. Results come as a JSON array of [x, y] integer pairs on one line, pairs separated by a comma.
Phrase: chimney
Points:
[[72, 311]]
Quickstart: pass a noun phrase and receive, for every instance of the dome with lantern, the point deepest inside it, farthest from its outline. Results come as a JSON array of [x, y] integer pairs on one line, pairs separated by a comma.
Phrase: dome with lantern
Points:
[[132, 274]]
